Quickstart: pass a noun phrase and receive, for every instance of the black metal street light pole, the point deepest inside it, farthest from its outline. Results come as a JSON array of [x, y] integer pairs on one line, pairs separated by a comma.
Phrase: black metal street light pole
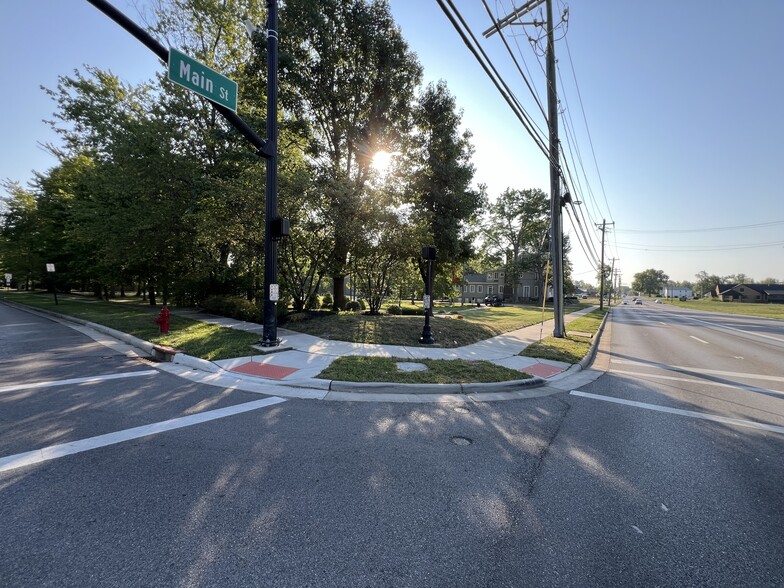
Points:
[[276, 228], [429, 255], [271, 291]]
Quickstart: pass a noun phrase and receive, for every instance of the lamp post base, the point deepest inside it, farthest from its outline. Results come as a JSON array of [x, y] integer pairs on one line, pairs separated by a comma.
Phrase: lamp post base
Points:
[[427, 337], [270, 343]]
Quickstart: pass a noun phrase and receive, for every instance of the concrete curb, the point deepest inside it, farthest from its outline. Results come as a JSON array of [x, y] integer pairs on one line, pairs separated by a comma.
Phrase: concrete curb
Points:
[[370, 388], [586, 361]]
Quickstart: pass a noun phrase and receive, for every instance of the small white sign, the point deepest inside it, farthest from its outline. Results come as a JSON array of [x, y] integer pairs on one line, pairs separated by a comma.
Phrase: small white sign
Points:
[[274, 292], [8, 278], [427, 301], [50, 267]]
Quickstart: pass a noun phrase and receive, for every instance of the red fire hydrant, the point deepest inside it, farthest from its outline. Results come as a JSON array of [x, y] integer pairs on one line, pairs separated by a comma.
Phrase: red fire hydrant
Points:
[[163, 320]]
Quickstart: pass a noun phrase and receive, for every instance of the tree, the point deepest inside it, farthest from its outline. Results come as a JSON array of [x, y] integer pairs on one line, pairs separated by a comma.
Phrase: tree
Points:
[[439, 170], [349, 76], [705, 283], [516, 228], [649, 281], [390, 243], [19, 233]]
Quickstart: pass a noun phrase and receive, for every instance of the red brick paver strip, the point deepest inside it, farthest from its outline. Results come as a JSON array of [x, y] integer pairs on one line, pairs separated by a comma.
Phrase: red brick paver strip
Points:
[[542, 370], [265, 370]]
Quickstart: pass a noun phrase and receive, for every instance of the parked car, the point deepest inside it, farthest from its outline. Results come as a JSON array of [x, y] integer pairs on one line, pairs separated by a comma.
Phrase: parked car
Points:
[[494, 300], [638, 301]]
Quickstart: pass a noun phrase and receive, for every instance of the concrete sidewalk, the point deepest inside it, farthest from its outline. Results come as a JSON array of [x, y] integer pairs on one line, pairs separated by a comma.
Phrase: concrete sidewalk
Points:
[[300, 357], [290, 370]]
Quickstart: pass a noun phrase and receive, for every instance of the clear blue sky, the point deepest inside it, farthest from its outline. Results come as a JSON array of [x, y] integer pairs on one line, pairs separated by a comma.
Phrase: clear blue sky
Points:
[[681, 100]]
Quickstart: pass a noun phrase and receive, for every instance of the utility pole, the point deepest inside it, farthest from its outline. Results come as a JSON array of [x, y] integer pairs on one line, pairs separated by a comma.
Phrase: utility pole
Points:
[[603, 228], [601, 268], [612, 281], [556, 227], [556, 236]]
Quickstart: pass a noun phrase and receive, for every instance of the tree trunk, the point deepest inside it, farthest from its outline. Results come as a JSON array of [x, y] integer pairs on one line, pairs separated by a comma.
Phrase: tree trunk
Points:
[[338, 292], [151, 290]]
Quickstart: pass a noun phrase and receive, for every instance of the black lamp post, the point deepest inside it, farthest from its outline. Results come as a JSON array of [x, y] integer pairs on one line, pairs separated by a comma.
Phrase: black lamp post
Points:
[[429, 256]]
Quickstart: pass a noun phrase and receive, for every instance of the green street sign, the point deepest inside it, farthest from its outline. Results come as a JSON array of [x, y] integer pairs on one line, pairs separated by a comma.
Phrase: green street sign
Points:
[[194, 75]]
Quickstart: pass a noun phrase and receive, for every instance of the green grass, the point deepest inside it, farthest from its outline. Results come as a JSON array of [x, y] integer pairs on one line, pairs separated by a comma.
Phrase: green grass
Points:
[[440, 371], [192, 337], [476, 324], [774, 311], [571, 348]]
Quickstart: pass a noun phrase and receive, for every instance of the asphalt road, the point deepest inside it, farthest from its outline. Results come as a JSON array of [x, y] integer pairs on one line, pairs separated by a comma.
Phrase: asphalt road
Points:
[[563, 490]]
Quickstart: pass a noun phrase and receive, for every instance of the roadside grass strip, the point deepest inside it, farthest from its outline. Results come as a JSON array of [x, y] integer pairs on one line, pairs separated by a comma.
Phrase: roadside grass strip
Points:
[[354, 368], [571, 348]]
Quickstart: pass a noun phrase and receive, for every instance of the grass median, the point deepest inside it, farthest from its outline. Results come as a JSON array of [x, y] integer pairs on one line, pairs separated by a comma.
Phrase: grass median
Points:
[[772, 311], [354, 368], [573, 347]]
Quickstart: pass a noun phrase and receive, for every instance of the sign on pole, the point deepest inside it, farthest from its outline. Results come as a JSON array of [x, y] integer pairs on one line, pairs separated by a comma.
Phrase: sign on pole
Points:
[[50, 267], [194, 75]]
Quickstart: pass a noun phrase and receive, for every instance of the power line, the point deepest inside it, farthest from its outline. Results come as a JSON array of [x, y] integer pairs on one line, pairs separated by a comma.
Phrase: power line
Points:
[[708, 230], [695, 248], [487, 65]]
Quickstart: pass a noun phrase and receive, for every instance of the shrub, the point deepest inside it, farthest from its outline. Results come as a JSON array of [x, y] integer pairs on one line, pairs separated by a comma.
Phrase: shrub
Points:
[[352, 306], [406, 310], [233, 306], [326, 300], [282, 308], [313, 302], [362, 304], [297, 317], [393, 309]]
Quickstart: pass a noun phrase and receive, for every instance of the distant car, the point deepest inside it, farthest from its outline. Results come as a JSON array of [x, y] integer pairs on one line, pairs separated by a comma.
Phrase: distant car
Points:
[[638, 301], [625, 302], [494, 300], [584, 296], [657, 301]]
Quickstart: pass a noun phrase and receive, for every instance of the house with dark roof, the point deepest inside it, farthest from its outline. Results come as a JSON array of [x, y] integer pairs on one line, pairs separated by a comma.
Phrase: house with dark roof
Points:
[[771, 293], [476, 287]]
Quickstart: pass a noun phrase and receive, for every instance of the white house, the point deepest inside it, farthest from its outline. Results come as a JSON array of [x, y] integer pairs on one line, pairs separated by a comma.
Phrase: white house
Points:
[[676, 292]]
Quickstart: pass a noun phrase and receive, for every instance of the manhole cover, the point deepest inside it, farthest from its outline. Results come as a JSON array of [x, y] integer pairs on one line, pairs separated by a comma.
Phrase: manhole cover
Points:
[[461, 440], [461, 409]]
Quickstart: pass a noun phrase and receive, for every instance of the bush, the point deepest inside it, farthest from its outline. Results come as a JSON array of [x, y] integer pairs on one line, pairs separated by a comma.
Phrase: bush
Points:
[[326, 300], [394, 309], [282, 308], [362, 304], [313, 302], [234, 307], [408, 311], [297, 317], [352, 306]]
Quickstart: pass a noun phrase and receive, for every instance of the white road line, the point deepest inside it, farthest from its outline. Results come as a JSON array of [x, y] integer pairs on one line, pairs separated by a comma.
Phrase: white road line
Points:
[[698, 339], [720, 326], [54, 451], [738, 386], [697, 370], [87, 380], [678, 411]]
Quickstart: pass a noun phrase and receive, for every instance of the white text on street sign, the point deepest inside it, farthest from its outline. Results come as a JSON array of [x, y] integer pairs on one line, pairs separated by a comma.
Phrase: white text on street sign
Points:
[[194, 75]]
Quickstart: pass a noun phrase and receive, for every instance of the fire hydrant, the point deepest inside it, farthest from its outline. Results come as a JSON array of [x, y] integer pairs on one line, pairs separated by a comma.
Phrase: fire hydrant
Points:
[[163, 320]]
